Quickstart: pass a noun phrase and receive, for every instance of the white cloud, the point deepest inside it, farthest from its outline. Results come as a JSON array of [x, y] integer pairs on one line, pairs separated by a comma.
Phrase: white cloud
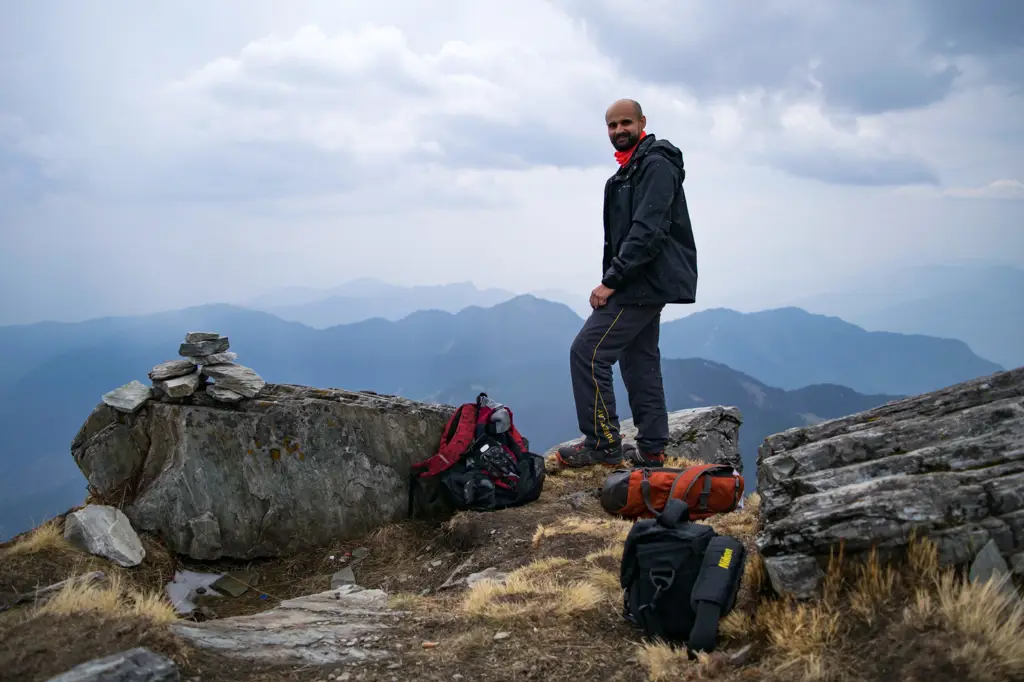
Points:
[[367, 96]]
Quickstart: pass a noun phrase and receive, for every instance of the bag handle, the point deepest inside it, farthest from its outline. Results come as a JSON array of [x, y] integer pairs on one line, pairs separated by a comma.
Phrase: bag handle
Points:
[[674, 512], [706, 492]]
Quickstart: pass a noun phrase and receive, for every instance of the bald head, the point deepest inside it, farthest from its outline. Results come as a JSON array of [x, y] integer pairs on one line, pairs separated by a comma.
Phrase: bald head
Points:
[[622, 104], [625, 120]]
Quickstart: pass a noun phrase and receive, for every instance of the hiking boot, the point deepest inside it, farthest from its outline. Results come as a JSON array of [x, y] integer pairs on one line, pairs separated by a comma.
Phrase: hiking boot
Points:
[[579, 455], [636, 457]]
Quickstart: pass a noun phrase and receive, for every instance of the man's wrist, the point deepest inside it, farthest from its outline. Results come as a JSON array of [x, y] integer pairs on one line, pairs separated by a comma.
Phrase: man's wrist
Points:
[[611, 278]]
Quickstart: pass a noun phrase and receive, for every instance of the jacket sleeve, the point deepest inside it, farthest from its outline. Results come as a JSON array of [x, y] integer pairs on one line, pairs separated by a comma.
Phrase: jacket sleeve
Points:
[[655, 192]]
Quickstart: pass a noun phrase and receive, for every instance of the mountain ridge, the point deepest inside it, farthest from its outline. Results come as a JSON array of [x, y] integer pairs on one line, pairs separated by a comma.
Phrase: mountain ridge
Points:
[[517, 349]]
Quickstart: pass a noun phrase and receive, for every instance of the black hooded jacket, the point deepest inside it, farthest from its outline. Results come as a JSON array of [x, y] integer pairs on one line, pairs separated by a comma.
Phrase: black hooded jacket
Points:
[[650, 257]]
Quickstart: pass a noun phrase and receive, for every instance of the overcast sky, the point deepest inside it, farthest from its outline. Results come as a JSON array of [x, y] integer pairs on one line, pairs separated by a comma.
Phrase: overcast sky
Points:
[[161, 154]]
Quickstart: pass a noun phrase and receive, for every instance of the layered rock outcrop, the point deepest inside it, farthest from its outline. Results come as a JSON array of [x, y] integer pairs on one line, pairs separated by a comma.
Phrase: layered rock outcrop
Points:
[[948, 465], [706, 434], [296, 468]]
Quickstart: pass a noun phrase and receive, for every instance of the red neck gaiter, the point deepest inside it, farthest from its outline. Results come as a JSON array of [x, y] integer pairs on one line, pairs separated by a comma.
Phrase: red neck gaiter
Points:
[[624, 157]]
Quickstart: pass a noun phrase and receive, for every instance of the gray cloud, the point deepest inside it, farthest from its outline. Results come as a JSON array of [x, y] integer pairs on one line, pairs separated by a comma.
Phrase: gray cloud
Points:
[[408, 124], [865, 56]]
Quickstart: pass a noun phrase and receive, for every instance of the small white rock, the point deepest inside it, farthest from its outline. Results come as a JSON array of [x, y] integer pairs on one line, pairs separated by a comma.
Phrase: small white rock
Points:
[[105, 531], [501, 635]]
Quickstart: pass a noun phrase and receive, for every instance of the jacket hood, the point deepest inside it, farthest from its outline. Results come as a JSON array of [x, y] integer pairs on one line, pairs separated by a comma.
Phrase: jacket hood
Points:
[[663, 148]]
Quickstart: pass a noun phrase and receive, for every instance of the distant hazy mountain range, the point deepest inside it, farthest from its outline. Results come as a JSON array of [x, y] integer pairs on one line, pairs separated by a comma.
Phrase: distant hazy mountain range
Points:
[[364, 299], [982, 305], [517, 350]]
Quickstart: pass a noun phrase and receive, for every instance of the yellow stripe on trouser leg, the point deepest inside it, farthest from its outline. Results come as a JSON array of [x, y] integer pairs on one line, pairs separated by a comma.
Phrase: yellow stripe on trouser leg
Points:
[[597, 387]]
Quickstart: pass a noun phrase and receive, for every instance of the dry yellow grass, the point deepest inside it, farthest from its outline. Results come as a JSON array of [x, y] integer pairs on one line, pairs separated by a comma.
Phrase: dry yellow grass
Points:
[[475, 639], [50, 535], [816, 640], [681, 462], [108, 599], [664, 662], [988, 623], [523, 594], [611, 528], [406, 601]]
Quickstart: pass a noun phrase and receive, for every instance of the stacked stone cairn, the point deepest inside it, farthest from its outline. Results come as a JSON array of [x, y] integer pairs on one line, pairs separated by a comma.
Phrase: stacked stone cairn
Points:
[[206, 356]]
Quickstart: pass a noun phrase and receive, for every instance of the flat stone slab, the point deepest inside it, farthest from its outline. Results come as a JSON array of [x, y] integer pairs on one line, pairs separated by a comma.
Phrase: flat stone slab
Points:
[[215, 359], [348, 624], [237, 378], [203, 348], [199, 337], [172, 369], [128, 398], [224, 395]]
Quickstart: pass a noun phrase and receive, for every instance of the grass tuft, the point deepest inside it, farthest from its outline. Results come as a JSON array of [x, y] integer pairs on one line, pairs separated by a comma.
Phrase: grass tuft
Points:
[[663, 662], [611, 528], [48, 536], [988, 621], [109, 599], [531, 591]]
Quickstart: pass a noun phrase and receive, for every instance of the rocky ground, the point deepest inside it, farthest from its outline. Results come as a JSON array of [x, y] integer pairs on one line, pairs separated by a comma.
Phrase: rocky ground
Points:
[[556, 615]]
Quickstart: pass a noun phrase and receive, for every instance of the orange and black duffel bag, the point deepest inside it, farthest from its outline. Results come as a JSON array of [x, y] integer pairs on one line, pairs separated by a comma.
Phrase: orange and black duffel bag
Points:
[[708, 489]]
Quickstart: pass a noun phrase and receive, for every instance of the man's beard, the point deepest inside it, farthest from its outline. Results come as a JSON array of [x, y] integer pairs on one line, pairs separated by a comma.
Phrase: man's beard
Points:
[[624, 143]]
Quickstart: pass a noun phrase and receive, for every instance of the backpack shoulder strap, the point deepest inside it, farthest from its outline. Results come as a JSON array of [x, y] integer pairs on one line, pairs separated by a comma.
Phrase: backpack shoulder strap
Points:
[[714, 592], [457, 438]]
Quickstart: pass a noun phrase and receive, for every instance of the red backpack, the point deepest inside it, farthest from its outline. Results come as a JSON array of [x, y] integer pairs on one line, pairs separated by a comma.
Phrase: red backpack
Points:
[[482, 459]]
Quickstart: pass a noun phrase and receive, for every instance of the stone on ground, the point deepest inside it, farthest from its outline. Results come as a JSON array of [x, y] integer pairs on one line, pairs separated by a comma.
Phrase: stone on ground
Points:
[[237, 378], [989, 564], [171, 369], [343, 576], [106, 532], [706, 434], [134, 665], [297, 469], [224, 395], [348, 624], [948, 465], [128, 398]]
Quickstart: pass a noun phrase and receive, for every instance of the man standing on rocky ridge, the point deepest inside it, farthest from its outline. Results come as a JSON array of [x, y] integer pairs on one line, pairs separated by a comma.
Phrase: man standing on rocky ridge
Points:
[[650, 260]]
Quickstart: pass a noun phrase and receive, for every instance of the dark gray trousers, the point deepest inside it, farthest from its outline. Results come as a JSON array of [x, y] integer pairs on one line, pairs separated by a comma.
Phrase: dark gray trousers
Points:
[[629, 335]]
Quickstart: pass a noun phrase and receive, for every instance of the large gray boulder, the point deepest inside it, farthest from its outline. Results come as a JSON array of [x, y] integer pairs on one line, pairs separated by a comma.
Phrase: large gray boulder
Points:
[[948, 465], [297, 468], [706, 434]]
